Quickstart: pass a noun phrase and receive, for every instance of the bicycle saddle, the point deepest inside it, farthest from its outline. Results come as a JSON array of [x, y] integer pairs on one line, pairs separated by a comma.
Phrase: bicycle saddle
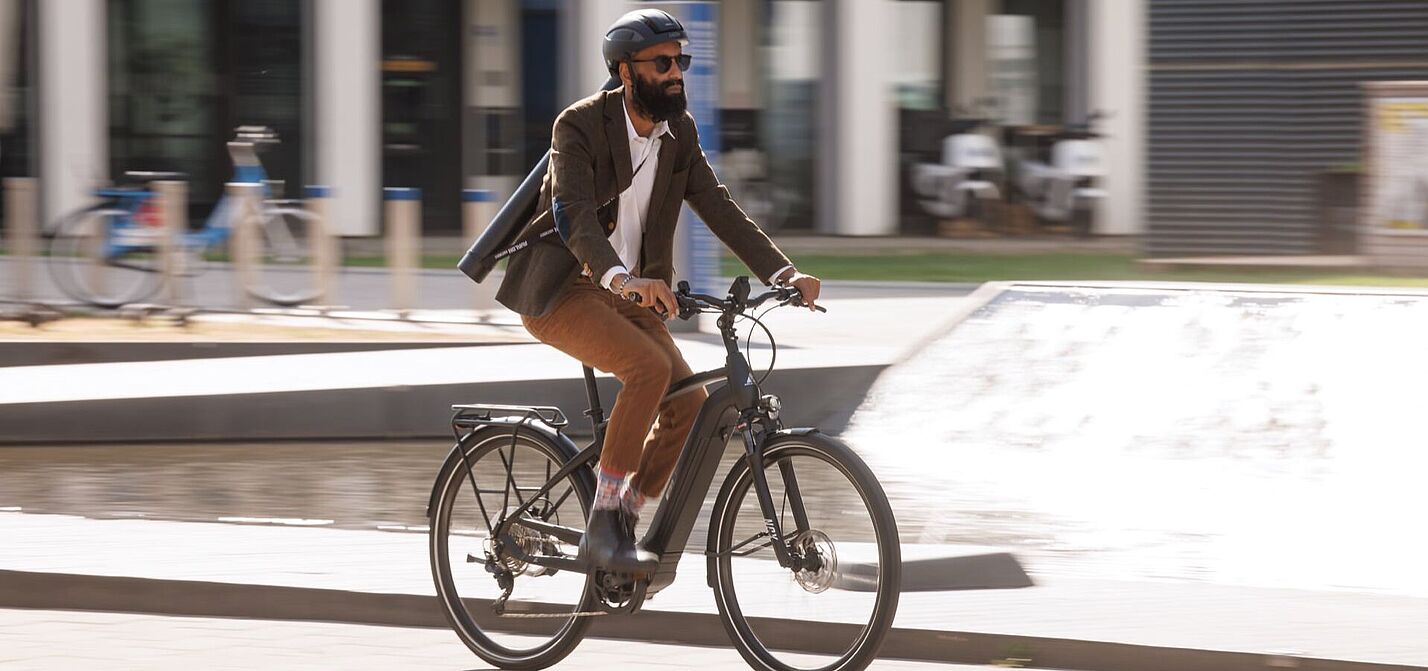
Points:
[[148, 176]]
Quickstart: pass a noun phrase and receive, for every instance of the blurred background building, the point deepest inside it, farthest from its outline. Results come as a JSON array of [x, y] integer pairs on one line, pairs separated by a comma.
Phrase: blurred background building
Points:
[[452, 94], [1224, 116]]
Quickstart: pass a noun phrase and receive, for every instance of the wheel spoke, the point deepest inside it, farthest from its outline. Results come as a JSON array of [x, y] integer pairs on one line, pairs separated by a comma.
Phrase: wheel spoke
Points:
[[555, 505], [752, 592], [472, 571]]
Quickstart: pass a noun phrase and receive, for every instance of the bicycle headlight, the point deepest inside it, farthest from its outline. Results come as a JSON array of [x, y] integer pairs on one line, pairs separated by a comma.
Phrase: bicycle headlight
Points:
[[771, 405]]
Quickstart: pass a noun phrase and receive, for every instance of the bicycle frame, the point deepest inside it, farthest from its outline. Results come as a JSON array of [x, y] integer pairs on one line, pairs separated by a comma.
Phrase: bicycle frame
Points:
[[247, 169], [733, 406]]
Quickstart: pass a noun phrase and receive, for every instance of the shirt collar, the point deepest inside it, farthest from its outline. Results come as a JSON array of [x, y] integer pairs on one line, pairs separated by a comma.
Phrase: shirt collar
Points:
[[660, 129]]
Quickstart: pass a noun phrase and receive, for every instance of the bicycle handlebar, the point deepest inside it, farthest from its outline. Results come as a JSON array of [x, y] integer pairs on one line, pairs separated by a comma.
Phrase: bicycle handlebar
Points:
[[691, 303]]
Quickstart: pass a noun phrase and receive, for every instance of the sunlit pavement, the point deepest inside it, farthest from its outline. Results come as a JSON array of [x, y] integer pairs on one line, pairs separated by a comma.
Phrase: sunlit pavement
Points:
[[1211, 469], [1235, 435], [385, 566], [48, 640]]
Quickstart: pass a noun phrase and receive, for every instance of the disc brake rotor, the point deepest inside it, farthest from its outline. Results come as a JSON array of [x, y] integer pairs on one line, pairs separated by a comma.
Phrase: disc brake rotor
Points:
[[820, 560]]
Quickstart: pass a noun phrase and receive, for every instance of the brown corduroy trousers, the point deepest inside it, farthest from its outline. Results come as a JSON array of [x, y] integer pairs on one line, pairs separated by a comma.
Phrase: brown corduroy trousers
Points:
[[611, 334]]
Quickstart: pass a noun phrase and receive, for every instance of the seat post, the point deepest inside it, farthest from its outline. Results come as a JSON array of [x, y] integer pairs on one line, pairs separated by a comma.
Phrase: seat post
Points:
[[595, 413]]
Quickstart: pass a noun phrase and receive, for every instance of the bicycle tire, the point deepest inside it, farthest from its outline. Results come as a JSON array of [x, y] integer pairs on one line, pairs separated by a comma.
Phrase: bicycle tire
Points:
[[286, 243], [728, 504], [82, 275], [451, 481]]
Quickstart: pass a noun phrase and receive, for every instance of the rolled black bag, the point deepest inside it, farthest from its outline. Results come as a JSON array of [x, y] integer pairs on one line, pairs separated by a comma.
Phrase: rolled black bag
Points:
[[499, 240]]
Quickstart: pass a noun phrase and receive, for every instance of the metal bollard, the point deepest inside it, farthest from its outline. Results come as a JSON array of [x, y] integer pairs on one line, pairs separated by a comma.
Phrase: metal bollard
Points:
[[403, 214], [173, 207], [21, 232], [325, 243], [478, 207], [244, 199]]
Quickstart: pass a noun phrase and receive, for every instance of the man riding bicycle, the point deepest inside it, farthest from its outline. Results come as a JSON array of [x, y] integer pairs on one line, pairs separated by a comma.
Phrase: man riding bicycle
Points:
[[621, 162]]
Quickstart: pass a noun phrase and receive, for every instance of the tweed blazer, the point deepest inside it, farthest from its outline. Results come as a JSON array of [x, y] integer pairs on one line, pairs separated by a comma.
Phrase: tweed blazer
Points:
[[589, 169]]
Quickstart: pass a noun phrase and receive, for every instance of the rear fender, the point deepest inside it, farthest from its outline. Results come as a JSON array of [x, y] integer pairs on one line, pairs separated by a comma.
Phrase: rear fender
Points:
[[503, 426]]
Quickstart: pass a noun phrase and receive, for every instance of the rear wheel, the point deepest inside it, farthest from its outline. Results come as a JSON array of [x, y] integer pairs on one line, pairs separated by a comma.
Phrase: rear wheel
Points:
[[106, 257], [838, 604], [539, 625], [286, 248]]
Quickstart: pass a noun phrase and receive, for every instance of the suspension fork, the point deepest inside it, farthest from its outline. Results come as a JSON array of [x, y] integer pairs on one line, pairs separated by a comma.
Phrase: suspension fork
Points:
[[754, 446]]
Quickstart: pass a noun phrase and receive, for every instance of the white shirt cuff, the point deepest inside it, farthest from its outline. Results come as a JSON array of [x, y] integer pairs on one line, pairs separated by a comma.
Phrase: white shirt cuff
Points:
[[778, 272], [611, 273]]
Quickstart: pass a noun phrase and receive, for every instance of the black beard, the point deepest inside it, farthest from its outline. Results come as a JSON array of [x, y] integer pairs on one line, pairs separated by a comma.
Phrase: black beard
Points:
[[652, 101]]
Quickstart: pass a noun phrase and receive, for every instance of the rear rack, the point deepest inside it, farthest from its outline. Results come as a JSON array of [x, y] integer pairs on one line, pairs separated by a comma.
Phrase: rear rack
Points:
[[471, 416]]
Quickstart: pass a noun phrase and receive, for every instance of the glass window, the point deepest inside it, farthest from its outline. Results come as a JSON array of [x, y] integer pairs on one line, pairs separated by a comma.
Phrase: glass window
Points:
[[789, 128], [15, 90], [917, 54], [162, 91], [1026, 42], [184, 74], [421, 100]]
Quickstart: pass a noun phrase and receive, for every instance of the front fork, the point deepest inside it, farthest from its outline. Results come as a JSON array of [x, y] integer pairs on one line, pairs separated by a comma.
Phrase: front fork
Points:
[[754, 447]]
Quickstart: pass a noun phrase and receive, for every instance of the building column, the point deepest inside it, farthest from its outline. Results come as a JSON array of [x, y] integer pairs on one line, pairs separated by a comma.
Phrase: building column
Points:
[[740, 45], [583, 26], [1117, 43], [73, 111], [967, 57], [491, 62], [347, 111], [857, 153]]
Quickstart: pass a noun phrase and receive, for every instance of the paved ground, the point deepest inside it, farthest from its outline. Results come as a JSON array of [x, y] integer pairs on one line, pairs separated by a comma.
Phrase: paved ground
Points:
[[47, 640], [1163, 614]]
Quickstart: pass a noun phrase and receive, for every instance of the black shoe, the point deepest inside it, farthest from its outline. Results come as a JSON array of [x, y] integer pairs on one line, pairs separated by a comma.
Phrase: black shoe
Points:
[[609, 543]]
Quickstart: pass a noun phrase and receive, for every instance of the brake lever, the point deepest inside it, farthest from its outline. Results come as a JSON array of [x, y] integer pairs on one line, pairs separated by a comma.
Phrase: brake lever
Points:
[[801, 304]]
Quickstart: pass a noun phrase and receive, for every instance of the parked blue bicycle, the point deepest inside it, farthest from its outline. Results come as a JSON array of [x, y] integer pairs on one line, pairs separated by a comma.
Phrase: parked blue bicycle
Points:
[[111, 254]]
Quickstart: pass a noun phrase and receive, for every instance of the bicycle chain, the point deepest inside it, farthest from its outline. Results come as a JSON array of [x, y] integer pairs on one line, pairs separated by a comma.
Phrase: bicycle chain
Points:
[[533, 616]]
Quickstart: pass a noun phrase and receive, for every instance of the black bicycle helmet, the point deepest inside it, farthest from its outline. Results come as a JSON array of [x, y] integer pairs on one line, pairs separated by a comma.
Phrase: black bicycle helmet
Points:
[[640, 29]]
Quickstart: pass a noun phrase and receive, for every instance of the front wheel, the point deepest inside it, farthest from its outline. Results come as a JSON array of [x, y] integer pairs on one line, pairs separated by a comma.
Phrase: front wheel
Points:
[[837, 604]]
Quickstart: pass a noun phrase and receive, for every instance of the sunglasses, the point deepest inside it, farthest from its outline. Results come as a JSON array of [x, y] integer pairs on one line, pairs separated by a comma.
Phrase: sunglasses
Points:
[[662, 63]]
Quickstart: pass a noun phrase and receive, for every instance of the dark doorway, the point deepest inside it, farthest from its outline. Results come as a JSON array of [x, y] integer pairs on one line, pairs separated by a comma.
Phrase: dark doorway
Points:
[[421, 105], [539, 76]]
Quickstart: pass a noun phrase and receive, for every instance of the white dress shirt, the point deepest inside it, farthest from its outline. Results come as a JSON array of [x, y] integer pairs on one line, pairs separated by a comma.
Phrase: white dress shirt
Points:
[[629, 232]]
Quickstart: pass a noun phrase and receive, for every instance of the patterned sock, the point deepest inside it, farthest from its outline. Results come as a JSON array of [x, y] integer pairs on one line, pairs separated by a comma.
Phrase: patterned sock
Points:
[[607, 488], [632, 501]]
